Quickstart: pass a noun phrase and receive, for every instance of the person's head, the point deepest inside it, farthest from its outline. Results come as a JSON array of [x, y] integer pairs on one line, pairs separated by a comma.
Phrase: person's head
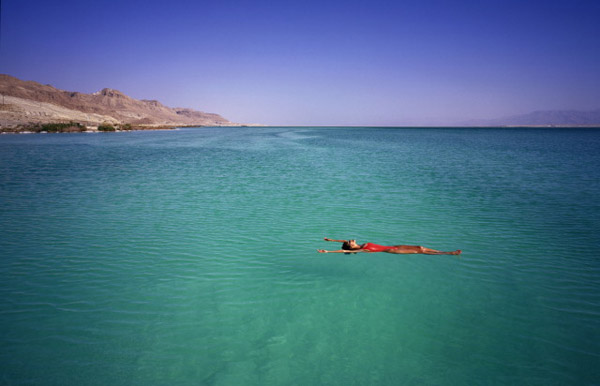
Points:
[[350, 245]]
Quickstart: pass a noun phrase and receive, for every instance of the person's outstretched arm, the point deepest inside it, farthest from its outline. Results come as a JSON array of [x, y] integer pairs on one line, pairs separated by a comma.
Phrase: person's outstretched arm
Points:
[[337, 241], [343, 251]]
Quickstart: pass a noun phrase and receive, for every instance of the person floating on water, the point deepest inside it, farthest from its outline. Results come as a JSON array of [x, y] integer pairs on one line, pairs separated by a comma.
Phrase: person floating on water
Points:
[[350, 246]]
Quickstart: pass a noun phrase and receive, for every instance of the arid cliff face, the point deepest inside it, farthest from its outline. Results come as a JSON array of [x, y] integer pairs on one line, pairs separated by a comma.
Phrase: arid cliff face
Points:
[[28, 102]]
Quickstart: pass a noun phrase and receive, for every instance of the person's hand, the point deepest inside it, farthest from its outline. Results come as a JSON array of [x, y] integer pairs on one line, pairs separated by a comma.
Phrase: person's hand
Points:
[[326, 238], [321, 251]]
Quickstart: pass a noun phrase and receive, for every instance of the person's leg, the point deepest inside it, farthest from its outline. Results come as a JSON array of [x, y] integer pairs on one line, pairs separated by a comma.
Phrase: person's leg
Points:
[[428, 251], [401, 249]]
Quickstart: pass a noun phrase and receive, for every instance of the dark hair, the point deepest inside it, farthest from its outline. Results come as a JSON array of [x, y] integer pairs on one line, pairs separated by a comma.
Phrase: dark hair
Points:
[[346, 246]]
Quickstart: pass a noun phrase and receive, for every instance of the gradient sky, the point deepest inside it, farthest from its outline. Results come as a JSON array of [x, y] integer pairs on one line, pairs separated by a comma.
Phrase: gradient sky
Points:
[[316, 62]]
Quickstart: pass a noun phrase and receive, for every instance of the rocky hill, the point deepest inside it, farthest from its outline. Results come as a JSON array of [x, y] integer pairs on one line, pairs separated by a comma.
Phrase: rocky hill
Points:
[[26, 102]]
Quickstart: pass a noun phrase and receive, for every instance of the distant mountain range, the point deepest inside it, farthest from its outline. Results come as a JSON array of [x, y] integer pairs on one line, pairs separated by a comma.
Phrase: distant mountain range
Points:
[[543, 118], [26, 102]]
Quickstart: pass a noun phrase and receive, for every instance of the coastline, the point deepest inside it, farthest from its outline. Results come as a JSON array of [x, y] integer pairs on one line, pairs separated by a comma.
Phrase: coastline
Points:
[[74, 127]]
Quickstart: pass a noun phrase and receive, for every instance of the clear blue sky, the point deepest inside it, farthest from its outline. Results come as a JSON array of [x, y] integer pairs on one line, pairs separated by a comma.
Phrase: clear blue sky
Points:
[[316, 62]]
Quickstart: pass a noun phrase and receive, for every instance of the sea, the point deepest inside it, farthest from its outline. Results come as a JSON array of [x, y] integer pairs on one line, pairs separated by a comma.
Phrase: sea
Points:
[[189, 257]]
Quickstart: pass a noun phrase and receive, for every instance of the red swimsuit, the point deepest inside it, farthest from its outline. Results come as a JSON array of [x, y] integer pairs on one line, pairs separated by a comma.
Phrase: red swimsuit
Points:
[[375, 247]]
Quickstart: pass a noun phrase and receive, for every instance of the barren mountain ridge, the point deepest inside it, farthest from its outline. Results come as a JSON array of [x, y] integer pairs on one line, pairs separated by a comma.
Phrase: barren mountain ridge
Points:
[[29, 102]]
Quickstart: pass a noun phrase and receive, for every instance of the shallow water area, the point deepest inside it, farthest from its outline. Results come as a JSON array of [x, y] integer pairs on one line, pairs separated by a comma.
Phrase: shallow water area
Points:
[[189, 257]]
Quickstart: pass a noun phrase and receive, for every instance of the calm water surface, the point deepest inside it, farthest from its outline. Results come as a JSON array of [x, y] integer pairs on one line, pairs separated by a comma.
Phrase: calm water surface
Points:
[[189, 257]]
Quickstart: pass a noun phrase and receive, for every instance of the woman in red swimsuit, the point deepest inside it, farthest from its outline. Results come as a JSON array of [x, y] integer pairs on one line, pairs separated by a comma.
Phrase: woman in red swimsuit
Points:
[[350, 246]]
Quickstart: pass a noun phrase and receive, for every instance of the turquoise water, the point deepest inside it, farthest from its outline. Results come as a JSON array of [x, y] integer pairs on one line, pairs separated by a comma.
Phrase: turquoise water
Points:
[[188, 257]]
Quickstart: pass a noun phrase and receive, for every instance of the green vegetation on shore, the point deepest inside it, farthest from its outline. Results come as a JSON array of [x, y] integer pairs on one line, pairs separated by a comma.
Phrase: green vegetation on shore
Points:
[[106, 127], [62, 127], [65, 127], [75, 127]]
